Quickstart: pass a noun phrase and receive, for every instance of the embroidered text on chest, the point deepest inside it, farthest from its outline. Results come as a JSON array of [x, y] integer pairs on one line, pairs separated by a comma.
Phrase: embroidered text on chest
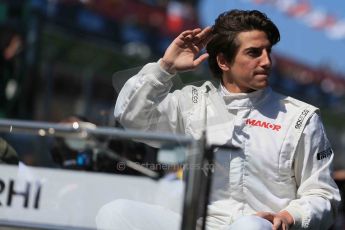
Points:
[[263, 124]]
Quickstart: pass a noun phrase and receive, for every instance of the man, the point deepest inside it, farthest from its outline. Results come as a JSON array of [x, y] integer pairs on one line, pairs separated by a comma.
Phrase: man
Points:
[[281, 176]]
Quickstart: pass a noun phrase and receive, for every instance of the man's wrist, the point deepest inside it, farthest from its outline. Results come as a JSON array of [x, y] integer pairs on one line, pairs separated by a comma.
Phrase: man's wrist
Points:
[[167, 67]]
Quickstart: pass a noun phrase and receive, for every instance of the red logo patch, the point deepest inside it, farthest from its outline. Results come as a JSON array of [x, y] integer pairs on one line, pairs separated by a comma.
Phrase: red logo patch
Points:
[[263, 124]]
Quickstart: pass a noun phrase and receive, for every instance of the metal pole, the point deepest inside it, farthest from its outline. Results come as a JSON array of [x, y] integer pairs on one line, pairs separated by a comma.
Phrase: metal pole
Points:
[[77, 130], [194, 172]]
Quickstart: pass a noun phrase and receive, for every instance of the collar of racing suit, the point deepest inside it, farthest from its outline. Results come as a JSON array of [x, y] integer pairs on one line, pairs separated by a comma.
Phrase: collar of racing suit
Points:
[[241, 100]]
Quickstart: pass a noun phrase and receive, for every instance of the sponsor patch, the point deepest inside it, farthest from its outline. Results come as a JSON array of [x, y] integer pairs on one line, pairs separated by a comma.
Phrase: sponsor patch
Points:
[[301, 118], [195, 96], [263, 124], [324, 154]]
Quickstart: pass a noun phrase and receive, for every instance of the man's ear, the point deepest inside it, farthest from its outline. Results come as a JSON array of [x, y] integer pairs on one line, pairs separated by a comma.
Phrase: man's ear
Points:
[[222, 62]]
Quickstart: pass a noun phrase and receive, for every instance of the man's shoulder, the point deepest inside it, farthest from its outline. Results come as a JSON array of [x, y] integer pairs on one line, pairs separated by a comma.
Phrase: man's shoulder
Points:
[[292, 102], [294, 110]]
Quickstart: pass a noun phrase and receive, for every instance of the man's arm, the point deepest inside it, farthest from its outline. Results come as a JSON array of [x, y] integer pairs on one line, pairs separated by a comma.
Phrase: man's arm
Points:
[[144, 102], [317, 194]]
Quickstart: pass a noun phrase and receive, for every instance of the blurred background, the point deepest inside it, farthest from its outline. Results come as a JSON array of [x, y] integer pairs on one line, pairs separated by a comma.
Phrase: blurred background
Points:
[[59, 57]]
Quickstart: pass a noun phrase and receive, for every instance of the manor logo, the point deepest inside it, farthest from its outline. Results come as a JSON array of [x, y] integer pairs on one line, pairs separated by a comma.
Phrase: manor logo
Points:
[[263, 124]]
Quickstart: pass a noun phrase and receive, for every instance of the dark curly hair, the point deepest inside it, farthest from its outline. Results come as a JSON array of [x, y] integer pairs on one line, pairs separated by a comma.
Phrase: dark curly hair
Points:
[[226, 28]]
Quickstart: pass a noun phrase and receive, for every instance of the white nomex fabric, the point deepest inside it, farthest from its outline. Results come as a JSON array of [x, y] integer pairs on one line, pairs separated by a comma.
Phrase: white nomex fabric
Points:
[[285, 158]]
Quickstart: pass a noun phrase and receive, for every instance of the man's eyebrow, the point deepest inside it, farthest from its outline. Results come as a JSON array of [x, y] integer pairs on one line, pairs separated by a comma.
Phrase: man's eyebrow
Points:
[[252, 48], [257, 47]]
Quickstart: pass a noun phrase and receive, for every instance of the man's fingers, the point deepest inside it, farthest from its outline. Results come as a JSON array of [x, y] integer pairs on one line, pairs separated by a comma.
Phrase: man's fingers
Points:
[[197, 36], [186, 33], [196, 31], [190, 33], [204, 33], [279, 224], [200, 59], [205, 37]]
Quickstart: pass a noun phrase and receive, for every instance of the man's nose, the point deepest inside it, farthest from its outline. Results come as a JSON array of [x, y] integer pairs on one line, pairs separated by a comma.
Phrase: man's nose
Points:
[[266, 59]]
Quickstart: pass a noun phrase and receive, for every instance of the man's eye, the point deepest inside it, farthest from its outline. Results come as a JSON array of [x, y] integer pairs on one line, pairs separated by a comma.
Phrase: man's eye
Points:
[[254, 53]]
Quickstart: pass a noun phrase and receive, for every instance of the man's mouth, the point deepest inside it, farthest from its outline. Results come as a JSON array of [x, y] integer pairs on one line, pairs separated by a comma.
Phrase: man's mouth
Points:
[[262, 73]]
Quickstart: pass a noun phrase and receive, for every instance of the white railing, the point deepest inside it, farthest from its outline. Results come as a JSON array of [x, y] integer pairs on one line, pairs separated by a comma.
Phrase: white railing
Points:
[[31, 196]]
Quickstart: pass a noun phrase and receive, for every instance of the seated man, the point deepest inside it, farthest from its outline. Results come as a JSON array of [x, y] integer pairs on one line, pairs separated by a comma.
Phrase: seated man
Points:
[[281, 177]]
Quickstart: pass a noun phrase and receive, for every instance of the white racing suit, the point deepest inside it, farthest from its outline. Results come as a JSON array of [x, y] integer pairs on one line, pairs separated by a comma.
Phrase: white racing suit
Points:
[[285, 157]]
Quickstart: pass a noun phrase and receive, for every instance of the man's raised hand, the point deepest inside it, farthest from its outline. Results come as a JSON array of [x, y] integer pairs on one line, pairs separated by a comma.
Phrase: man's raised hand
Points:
[[182, 54]]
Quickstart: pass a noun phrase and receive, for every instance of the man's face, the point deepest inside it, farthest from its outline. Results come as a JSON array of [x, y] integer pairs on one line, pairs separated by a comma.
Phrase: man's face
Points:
[[252, 64]]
